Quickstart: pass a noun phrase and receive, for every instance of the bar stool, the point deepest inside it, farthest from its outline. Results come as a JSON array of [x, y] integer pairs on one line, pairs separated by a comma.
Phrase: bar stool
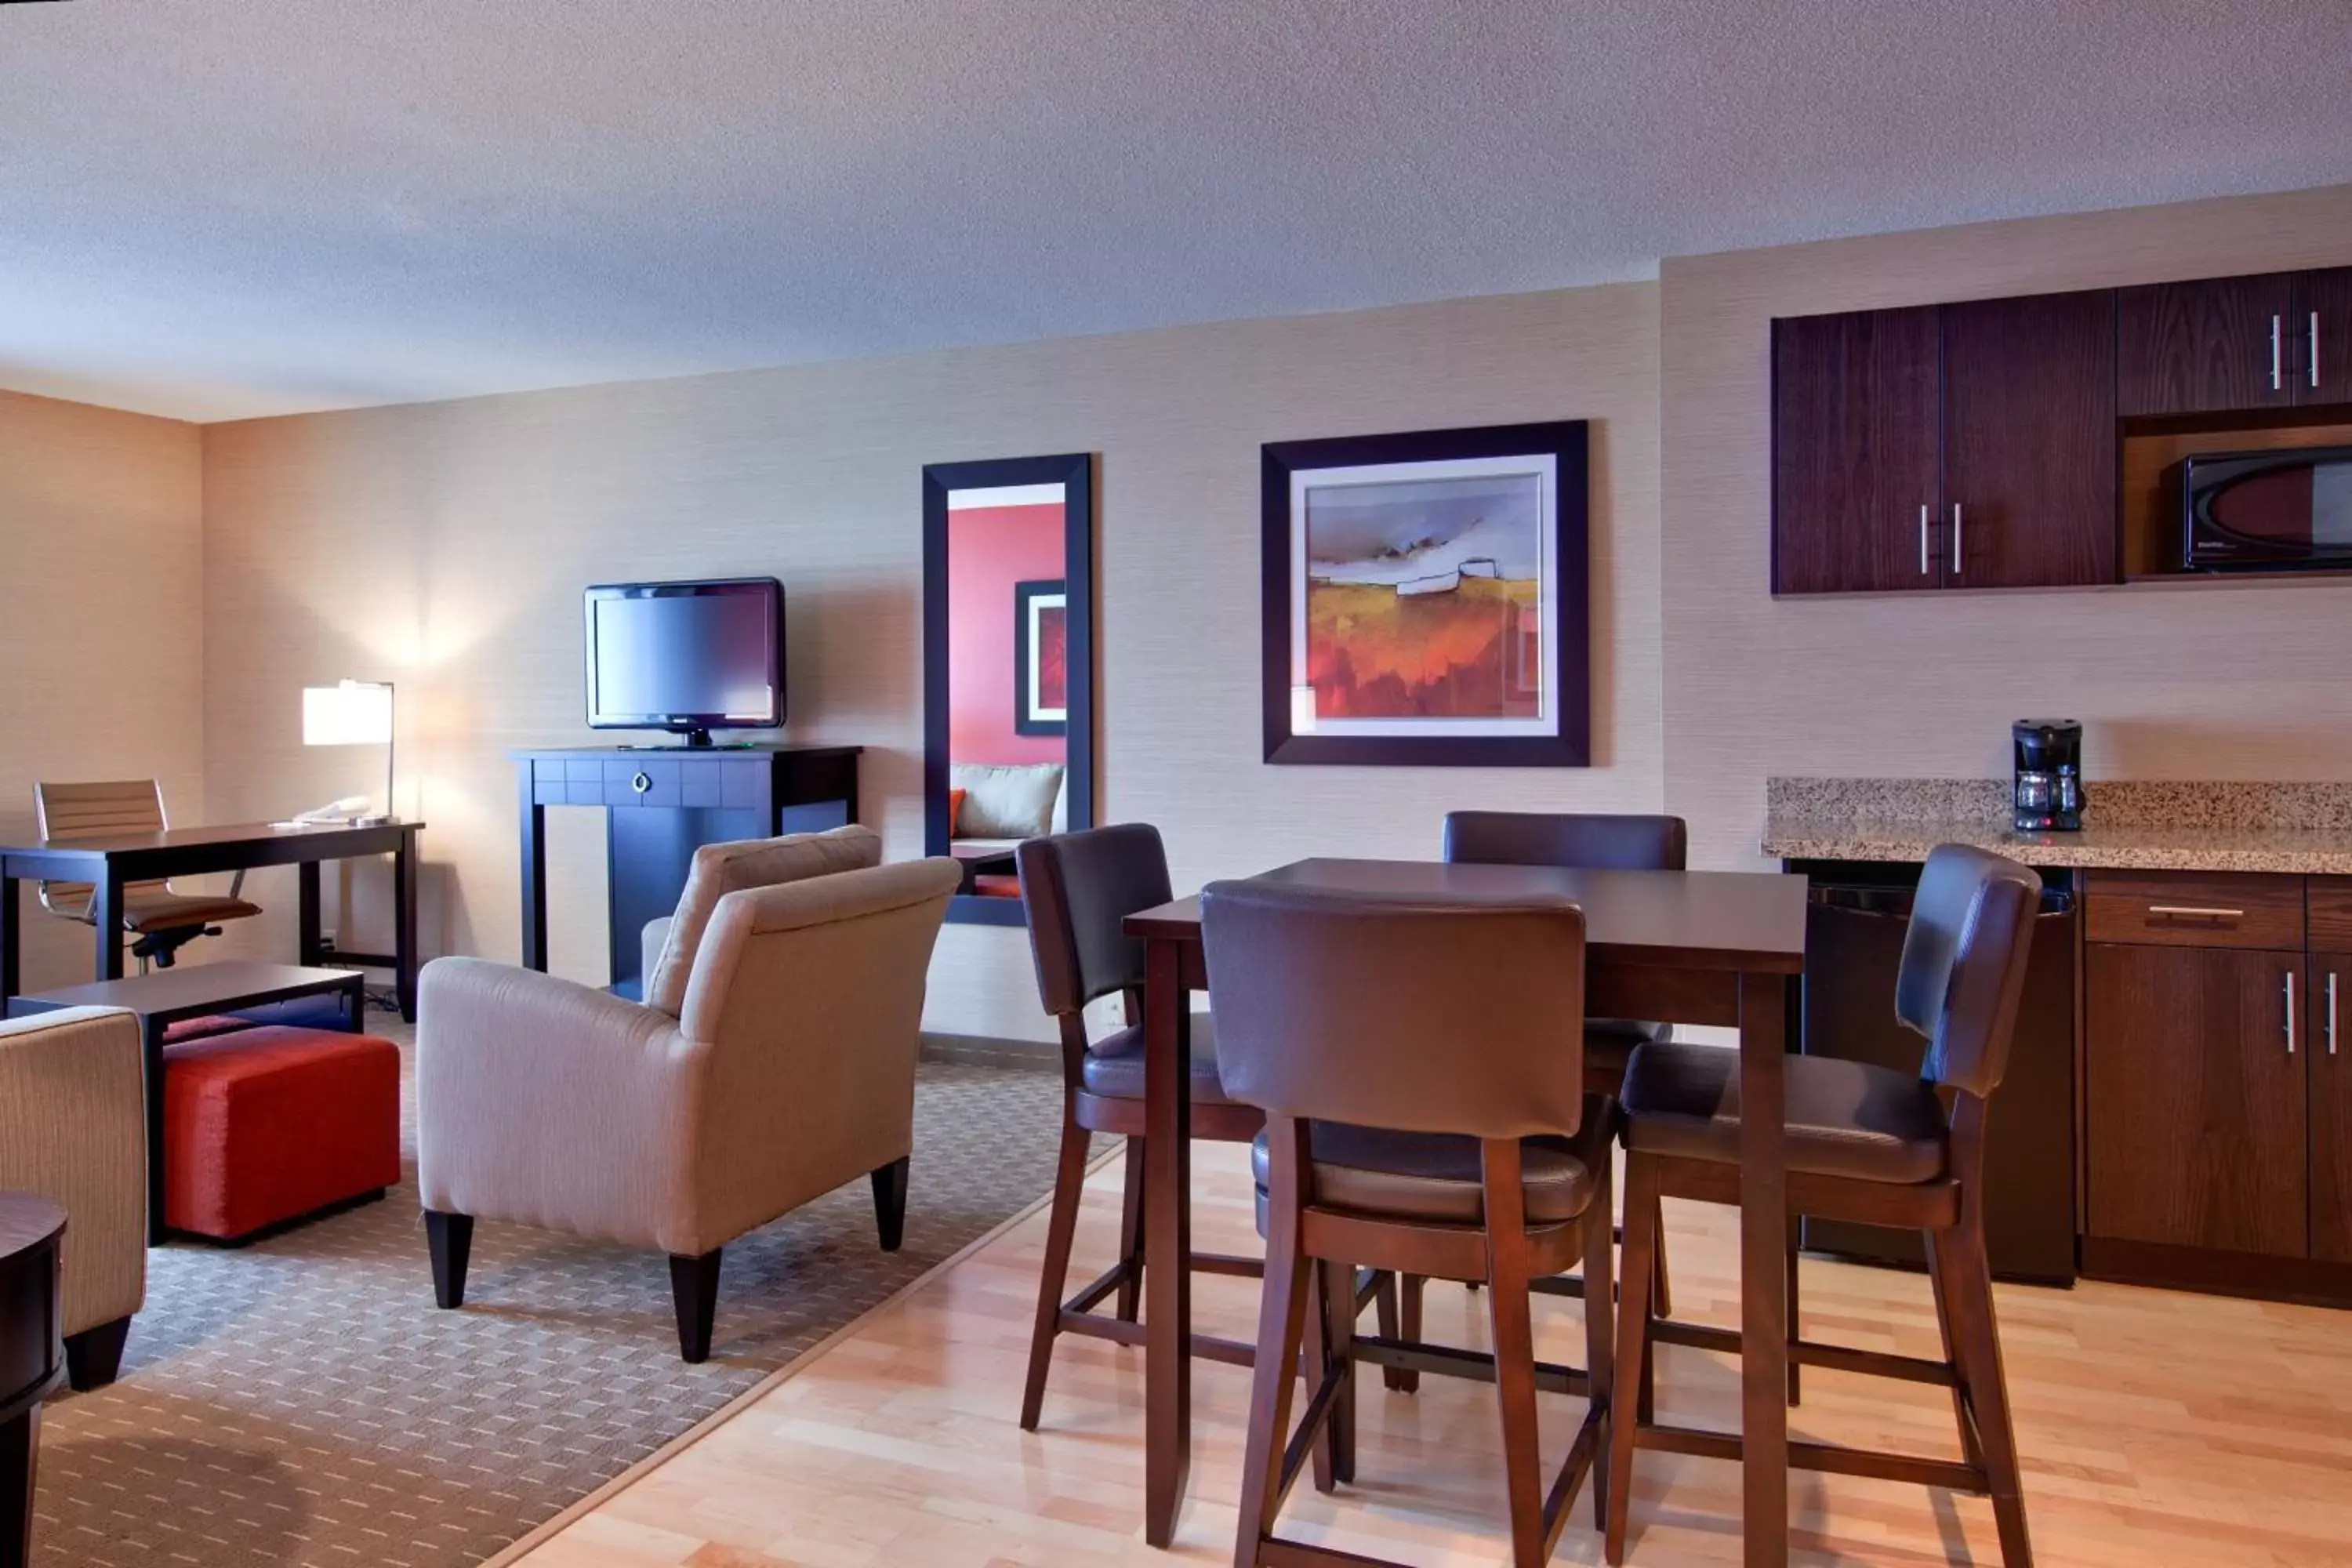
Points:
[[1582, 841], [1424, 1117], [1868, 1145], [1077, 888]]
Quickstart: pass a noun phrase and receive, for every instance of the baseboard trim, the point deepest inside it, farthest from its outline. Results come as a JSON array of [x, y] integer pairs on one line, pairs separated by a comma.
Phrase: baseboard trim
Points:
[[989, 1051], [2308, 1281]]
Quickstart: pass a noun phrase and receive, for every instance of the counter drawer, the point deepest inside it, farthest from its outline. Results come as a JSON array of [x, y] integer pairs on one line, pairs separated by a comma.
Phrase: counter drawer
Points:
[[2194, 908], [2331, 913]]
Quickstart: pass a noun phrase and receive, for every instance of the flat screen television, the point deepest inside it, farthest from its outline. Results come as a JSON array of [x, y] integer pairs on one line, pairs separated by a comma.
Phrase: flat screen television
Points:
[[690, 658]]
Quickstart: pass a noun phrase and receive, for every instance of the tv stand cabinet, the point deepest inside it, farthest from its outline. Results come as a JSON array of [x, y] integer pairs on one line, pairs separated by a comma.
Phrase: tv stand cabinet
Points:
[[662, 803]]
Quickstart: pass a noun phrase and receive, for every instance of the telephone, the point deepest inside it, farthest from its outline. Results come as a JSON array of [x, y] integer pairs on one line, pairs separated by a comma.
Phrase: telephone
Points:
[[349, 809]]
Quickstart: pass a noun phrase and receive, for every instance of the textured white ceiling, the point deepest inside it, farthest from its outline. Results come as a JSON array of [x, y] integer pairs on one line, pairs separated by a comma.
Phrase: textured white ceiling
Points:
[[216, 208]]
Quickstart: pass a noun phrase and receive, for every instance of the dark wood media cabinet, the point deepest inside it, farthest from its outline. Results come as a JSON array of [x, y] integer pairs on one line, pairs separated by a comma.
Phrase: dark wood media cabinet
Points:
[[662, 803]]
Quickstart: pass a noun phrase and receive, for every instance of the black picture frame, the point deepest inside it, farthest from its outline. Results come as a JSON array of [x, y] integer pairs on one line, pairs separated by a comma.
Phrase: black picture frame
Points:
[[1570, 744], [1075, 472], [1025, 721]]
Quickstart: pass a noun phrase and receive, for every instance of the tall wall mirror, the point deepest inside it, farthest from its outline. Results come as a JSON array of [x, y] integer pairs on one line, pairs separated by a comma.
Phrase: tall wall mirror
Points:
[[1008, 666]]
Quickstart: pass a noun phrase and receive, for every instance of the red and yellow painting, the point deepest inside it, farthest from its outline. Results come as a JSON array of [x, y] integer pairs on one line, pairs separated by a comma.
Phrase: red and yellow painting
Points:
[[1423, 599]]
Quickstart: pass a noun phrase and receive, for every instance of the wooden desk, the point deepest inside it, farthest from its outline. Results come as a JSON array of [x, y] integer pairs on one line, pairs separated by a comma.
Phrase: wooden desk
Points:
[[32, 1356], [1687, 947], [109, 862], [164, 997]]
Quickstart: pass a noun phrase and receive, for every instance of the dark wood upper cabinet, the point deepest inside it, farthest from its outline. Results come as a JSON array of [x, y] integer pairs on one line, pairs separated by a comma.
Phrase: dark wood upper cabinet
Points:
[[2029, 441], [2216, 345], [2330, 1057], [2196, 1106], [1854, 461], [2324, 322]]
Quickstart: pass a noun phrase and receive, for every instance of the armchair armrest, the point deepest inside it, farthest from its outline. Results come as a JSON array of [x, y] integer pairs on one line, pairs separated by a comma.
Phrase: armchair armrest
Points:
[[73, 1129], [548, 1102]]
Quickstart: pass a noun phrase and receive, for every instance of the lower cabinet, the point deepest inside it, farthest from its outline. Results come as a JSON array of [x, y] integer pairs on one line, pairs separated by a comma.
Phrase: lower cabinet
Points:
[[2197, 1098], [2330, 1063]]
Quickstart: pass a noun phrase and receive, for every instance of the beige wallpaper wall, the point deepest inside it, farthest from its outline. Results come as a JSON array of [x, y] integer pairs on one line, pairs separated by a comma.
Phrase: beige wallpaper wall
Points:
[[444, 546], [2198, 682], [101, 621]]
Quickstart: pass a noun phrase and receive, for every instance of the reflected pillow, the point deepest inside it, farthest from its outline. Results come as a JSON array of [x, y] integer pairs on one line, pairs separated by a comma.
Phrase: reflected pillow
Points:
[[955, 812], [1005, 801]]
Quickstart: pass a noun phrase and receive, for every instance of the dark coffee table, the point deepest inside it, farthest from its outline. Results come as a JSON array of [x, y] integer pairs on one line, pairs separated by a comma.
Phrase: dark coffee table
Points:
[[32, 1356], [164, 997]]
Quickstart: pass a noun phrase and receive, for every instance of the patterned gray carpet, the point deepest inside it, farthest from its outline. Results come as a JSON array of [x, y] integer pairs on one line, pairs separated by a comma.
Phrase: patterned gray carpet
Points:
[[301, 1401]]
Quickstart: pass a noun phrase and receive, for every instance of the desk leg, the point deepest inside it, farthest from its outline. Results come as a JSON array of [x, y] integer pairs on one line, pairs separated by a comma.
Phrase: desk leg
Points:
[[106, 920], [151, 1032], [1763, 1267], [403, 925], [10, 975], [309, 949], [1167, 1242]]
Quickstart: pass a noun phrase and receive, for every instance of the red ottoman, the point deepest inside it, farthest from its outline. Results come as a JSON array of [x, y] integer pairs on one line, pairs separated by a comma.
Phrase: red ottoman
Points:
[[268, 1123]]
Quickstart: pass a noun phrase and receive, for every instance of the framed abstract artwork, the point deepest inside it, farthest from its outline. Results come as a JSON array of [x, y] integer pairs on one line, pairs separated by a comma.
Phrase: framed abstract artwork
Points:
[[1427, 598], [1040, 659]]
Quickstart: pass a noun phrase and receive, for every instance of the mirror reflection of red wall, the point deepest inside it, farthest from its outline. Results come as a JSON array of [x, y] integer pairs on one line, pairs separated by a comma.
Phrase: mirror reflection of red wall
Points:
[[990, 550]]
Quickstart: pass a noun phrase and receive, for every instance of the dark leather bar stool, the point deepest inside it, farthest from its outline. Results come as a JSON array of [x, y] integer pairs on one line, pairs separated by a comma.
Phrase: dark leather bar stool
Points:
[[1423, 1116], [1583, 841], [1872, 1146], [1077, 888]]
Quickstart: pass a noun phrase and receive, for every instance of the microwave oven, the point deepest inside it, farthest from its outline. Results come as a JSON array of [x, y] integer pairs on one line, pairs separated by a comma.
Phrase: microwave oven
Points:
[[2277, 510]]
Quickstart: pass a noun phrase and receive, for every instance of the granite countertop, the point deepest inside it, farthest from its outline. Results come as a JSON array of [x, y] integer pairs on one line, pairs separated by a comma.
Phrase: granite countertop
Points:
[[2289, 829]]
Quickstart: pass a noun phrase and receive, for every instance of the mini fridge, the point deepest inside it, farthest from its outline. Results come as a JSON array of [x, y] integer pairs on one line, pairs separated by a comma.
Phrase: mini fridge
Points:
[[1853, 942]]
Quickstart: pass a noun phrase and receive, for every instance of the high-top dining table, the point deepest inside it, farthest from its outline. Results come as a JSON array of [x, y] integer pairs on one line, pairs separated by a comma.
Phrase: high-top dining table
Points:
[[1721, 948]]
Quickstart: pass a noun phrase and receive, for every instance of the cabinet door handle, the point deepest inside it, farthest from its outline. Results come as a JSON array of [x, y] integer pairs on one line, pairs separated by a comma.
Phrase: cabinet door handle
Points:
[[2290, 1012], [1956, 539], [2277, 381], [1924, 567], [2331, 1012], [2313, 339], [2196, 912]]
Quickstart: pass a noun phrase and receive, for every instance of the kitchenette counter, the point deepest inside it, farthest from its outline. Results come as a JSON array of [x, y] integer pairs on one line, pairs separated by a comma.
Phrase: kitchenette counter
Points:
[[2290, 829]]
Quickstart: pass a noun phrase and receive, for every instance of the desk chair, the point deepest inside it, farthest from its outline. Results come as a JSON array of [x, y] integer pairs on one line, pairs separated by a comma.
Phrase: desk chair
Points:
[[160, 920], [1870, 1145]]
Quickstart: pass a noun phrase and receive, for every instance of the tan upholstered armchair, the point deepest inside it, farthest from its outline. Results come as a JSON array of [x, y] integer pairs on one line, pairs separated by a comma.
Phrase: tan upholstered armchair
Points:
[[773, 1061], [73, 1129]]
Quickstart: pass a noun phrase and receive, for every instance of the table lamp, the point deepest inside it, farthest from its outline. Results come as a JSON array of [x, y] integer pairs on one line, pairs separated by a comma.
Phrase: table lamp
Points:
[[352, 713]]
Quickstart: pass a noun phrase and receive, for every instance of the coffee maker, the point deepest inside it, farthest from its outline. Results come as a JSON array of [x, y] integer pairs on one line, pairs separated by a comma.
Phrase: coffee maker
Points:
[[2047, 789]]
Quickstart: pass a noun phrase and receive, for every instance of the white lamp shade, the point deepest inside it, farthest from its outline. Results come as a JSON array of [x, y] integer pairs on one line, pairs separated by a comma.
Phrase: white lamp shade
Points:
[[349, 713]]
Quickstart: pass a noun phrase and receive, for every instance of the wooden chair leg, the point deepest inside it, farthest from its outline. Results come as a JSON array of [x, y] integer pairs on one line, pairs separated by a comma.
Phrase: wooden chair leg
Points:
[[449, 1238], [1339, 1342], [1662, 1296], [1507, 1303], [694, 1293], [890, 1185], [1400, 1319], [1979, 1341], [1130, 1234], [1315, 1366], [1633, 1314], [1061, 1230], [1939, 1283], [94, 1356], [1281, 1320], [1795, 1386], [1601, 1331]]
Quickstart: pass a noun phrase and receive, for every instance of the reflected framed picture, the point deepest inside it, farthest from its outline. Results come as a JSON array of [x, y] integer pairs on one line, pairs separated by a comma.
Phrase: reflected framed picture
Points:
[[1041, 658], [1427, 599]]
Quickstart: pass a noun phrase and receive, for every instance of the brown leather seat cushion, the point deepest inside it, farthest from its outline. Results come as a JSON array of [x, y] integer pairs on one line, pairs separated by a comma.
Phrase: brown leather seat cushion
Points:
[[1844, 1119], [1114, 1065], [1429, 1175], [174, 912]]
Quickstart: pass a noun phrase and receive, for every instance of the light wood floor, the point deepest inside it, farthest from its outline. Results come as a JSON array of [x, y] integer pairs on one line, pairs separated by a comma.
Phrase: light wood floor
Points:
[[2157, 1429]]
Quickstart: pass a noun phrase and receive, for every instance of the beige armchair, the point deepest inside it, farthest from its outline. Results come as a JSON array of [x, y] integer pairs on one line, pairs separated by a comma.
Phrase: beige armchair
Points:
[[774, 1060], [73, 1129]]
